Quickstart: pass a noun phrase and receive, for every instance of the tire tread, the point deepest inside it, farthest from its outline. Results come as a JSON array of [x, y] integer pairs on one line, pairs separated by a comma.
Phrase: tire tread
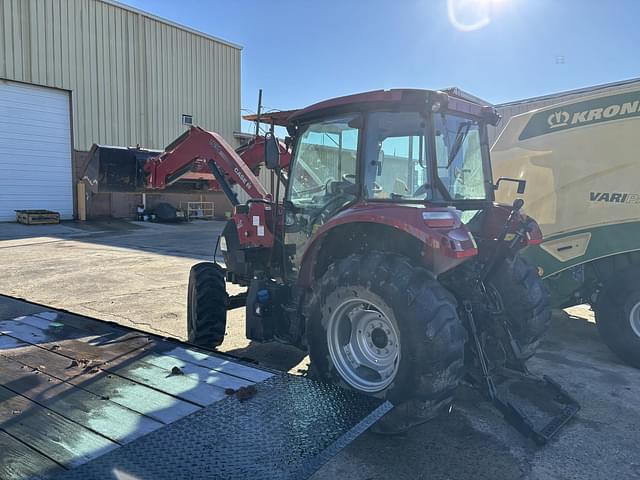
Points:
[[206, 325]]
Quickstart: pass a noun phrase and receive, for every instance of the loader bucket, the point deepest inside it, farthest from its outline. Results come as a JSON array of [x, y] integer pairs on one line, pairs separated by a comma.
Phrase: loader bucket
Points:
[[116, 169]]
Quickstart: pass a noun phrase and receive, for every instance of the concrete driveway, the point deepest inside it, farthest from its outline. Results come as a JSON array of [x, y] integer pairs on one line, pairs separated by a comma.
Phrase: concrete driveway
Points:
[[136, 274], [131, 273]]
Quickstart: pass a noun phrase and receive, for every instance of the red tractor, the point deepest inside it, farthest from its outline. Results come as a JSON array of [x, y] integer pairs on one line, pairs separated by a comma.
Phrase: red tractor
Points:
[[387, 258]]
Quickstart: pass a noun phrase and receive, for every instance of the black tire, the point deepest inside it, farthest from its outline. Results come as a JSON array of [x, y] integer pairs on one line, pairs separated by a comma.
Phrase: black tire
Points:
[[613, 311], [207, 302], [526, 303], [431, 336]]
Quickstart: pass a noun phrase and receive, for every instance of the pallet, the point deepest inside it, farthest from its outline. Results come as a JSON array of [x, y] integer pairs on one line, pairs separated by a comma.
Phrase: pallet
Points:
[[37, 217]]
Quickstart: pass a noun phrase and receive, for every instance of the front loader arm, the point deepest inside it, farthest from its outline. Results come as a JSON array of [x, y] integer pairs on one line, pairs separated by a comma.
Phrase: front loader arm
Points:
[[201, 155]]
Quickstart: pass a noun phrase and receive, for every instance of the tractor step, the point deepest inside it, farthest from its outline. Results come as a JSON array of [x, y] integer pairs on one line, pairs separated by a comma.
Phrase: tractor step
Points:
[[537, 407]]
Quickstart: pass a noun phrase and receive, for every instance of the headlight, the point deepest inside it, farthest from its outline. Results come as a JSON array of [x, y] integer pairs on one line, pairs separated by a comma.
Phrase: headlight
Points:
[[223, 244]]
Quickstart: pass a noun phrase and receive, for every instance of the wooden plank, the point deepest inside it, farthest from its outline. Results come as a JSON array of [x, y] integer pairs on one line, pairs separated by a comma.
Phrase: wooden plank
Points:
[[105, 347], [122, 344], [95, 413], [90, 325], [139, 398], [62, 440], [220, 364], [118, 345], [187, 354], [18, 461], [196, 372], [181, 386]]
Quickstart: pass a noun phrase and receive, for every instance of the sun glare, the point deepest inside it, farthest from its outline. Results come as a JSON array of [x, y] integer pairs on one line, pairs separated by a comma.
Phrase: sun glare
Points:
[[469, 15]]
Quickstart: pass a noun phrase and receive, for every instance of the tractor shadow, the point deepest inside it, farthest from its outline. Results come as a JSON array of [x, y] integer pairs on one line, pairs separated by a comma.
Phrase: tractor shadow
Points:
[[274, 355], [447, 447]]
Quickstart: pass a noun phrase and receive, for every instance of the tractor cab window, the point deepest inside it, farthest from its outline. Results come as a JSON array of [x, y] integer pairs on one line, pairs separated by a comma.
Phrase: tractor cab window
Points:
[[459, 157], [396, 163], [323, 175], [322, 180]]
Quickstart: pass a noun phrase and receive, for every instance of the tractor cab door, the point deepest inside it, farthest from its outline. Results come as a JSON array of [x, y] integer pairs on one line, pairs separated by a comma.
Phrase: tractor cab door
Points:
[[322, 179]]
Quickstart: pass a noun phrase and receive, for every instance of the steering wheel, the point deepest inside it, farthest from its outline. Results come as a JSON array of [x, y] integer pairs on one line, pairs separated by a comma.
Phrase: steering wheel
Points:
[[351, 178], [327, 208], [317, 188]]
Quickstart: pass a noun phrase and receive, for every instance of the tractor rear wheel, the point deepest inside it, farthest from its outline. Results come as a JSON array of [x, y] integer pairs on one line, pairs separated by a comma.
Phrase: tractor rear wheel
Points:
[[206, 305], [617, 313], [383, 327], [526, 303]]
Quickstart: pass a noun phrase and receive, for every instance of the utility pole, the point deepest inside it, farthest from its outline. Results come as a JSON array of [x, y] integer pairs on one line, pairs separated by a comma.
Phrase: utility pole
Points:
[[259, 111]]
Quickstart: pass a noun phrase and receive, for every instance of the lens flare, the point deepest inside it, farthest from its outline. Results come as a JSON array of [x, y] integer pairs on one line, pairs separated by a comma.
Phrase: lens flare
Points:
[[470, 15]]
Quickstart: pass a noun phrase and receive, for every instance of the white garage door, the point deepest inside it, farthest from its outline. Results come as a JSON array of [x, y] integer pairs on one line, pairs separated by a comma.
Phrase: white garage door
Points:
[[35, 150]]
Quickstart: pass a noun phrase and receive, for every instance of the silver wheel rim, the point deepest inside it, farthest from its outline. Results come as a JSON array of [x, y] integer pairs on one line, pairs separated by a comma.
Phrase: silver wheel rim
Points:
[[634, 319], [363, 345]]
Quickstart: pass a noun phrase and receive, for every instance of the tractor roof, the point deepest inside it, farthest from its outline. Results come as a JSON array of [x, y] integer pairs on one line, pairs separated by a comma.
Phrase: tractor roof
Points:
[[369, 101]]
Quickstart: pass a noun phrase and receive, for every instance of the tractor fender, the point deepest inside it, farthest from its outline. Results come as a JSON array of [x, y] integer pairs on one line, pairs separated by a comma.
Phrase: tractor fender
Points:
[[442, 245]]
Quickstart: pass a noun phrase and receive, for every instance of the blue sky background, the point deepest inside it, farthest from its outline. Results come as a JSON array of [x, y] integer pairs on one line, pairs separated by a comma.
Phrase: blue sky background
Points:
[[302, 51]]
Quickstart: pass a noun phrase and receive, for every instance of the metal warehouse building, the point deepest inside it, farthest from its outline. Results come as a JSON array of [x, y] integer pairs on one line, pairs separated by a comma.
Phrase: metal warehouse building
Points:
[[78, 72]]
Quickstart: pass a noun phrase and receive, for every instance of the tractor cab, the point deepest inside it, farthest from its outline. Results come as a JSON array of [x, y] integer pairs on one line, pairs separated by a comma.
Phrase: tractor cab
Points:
[[416, 154], [399, 146], [381, 157]]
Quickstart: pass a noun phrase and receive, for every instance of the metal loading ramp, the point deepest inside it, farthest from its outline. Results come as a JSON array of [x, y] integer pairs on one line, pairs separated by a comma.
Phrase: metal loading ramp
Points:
[[86, 399]]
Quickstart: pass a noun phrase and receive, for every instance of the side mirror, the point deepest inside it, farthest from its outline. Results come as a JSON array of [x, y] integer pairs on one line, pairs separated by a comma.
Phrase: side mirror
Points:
[[522, 184], [271, 151]]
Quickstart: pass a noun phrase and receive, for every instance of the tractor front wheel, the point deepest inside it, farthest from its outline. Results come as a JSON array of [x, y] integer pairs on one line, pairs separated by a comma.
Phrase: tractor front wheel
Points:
[[617, 313], [383, 327], [206, 305]]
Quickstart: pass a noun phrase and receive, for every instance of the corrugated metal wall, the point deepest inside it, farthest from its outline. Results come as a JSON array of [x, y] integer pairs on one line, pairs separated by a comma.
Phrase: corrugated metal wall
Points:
[[512, 109], [131, 75]]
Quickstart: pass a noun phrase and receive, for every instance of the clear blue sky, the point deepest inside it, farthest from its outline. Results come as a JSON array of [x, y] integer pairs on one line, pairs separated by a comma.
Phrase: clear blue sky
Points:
[[303, 51]]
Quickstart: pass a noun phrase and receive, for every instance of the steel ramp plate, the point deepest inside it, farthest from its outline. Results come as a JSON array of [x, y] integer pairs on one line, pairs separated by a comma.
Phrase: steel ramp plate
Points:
[[287, 430]]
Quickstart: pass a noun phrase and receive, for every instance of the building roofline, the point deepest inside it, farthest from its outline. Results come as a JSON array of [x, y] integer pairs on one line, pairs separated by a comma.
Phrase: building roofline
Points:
[[577, 91], [151, 16]]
